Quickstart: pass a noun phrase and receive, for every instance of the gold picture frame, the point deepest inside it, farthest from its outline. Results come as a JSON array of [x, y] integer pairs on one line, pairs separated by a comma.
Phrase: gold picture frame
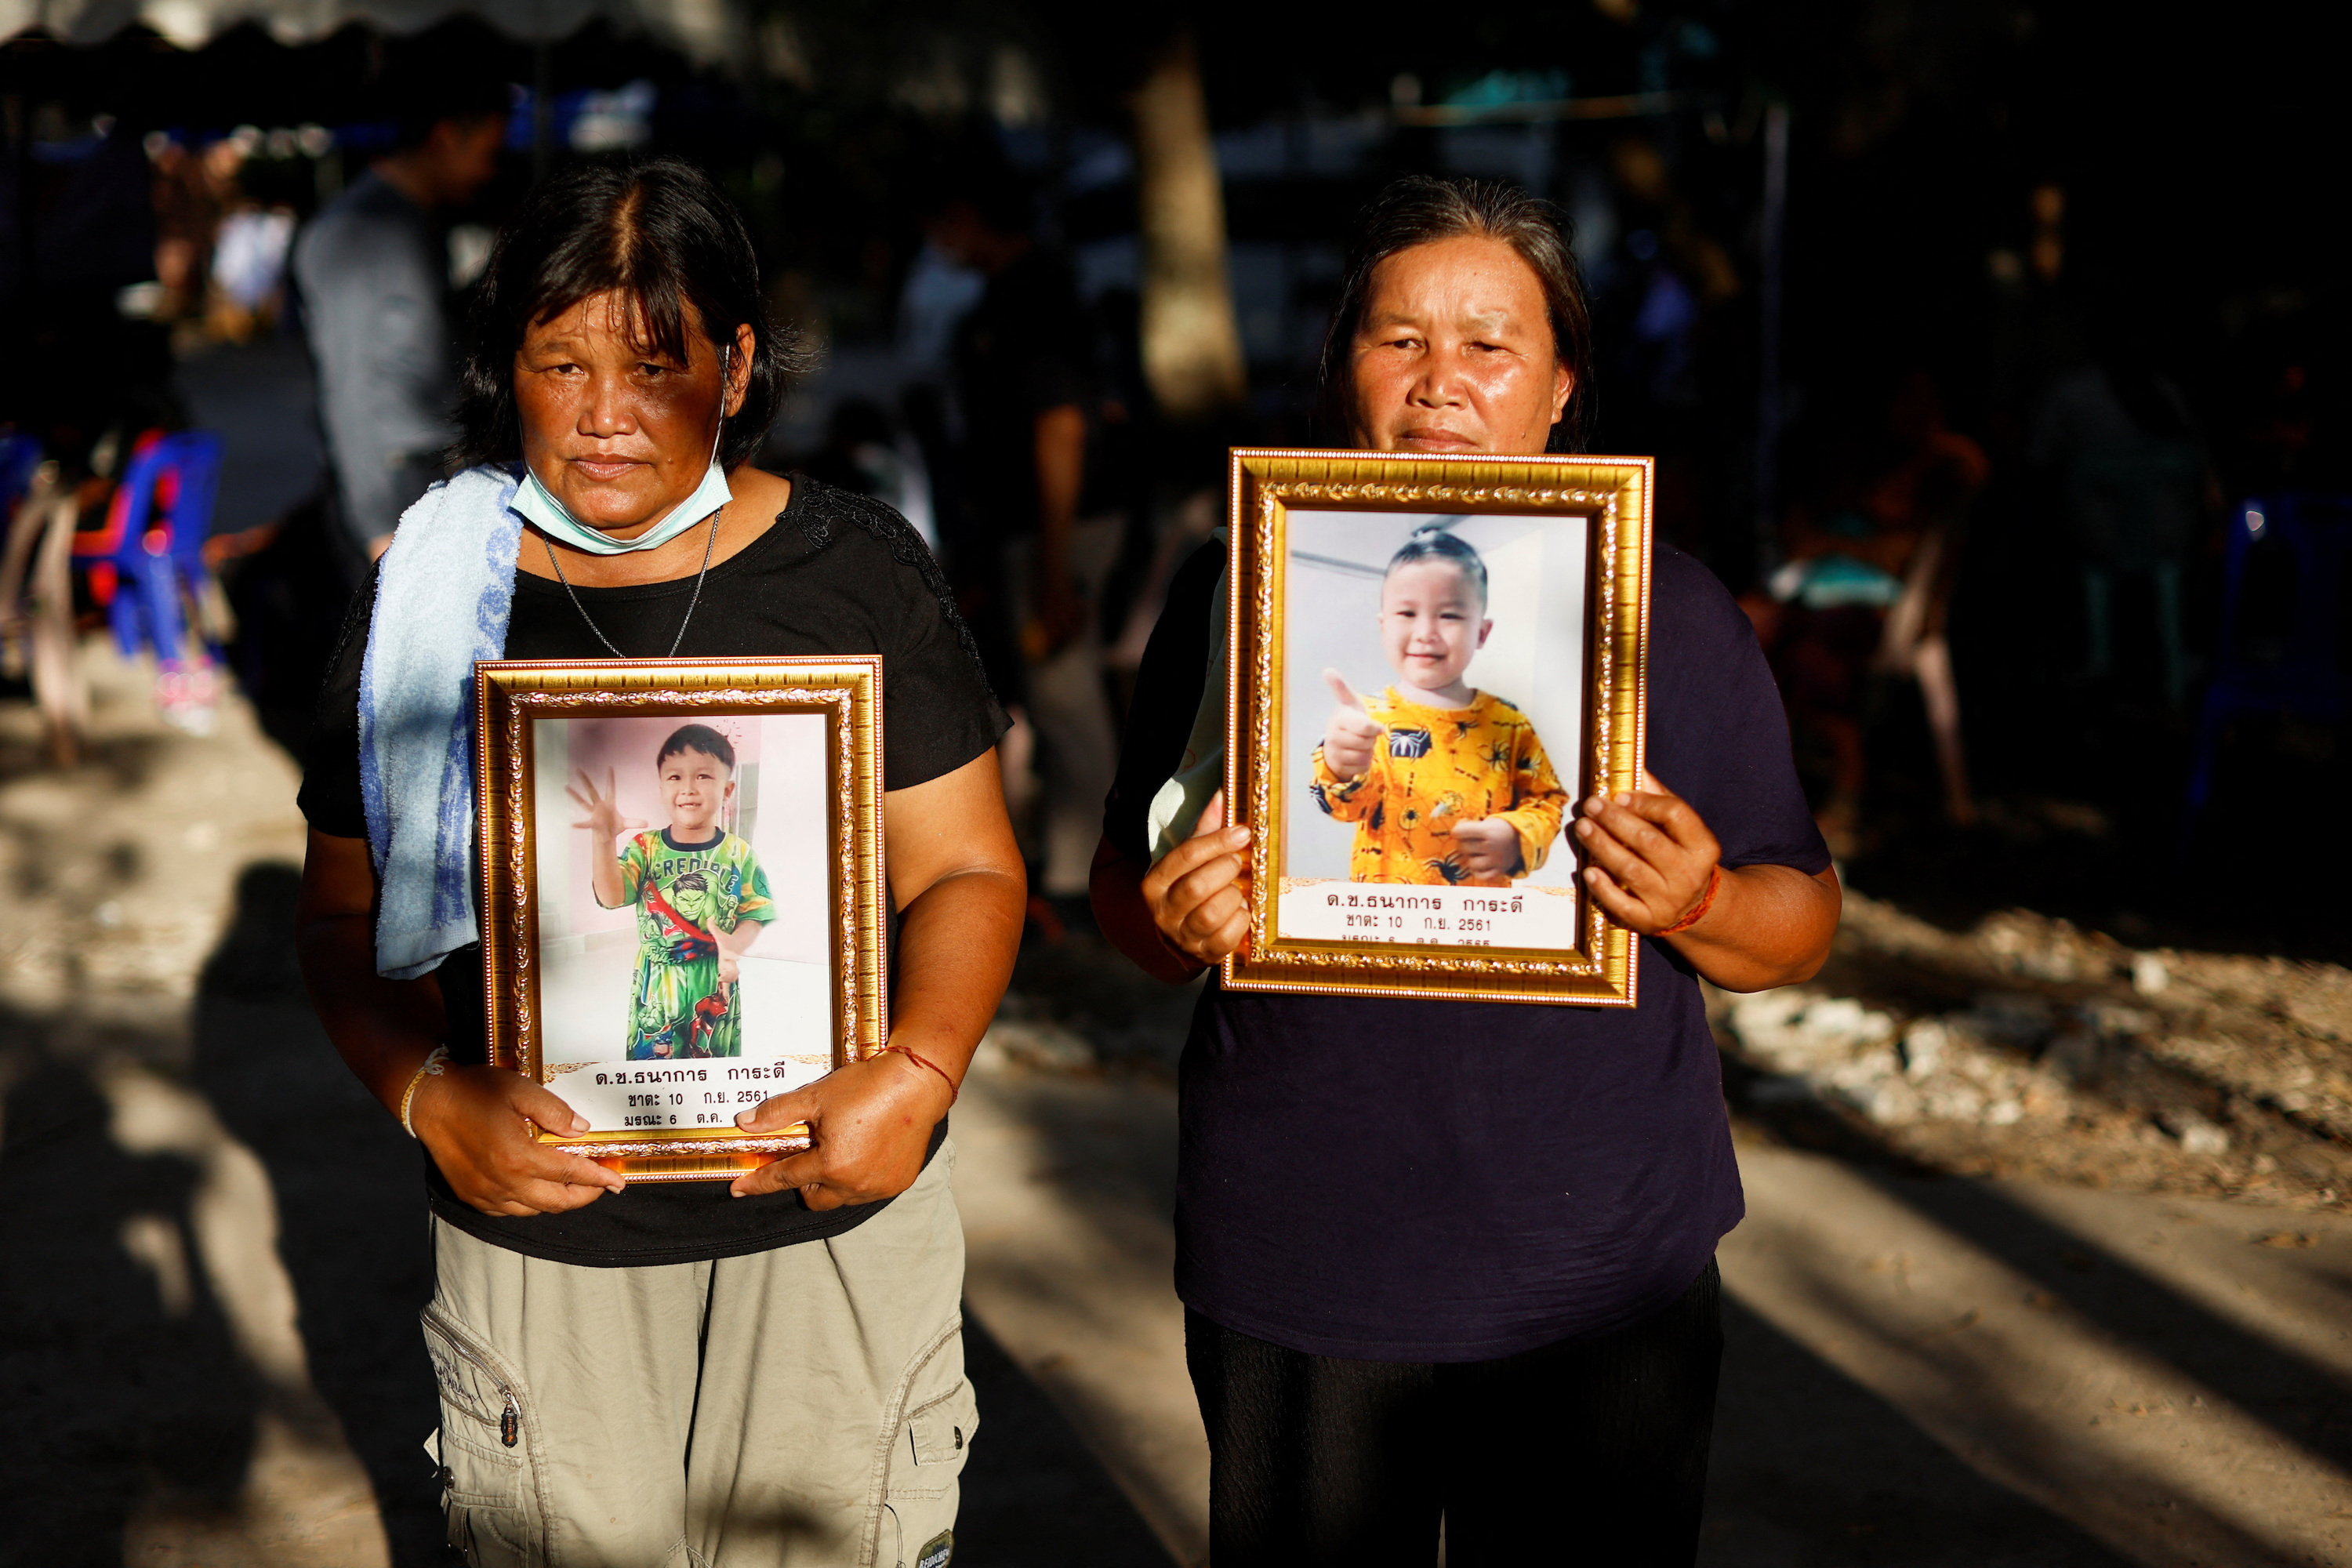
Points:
[[1578, 533], [564, 992]]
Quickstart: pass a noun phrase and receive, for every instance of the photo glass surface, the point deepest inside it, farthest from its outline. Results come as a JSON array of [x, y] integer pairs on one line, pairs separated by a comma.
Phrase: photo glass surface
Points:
[[683, 899], [1430, 658], [1441, 656]]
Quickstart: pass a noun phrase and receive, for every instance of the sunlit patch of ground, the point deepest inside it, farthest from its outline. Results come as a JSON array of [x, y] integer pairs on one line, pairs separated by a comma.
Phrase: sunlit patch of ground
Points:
[[2027, 1047]]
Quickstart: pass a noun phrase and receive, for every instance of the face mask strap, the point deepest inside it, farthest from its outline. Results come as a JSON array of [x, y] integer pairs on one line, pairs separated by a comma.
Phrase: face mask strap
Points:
[[726, 367]]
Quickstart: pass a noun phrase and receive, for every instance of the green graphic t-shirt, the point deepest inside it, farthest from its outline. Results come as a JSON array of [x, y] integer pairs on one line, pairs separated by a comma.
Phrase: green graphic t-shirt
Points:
[[685, 892]]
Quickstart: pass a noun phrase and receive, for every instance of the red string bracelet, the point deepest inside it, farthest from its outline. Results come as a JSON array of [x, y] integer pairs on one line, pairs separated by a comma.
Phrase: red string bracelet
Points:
[[1705, 902], [953, 1089]]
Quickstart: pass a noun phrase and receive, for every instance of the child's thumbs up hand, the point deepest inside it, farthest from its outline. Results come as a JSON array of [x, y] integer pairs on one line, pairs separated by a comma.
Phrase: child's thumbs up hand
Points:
[[1342, 690], [1350, 735]]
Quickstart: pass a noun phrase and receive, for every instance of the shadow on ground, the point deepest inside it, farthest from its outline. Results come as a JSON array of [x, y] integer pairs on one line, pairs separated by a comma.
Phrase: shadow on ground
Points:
[[1812, 1470], [351, 1208], [2302, 1401], [120, 1376], [1033, 1496]]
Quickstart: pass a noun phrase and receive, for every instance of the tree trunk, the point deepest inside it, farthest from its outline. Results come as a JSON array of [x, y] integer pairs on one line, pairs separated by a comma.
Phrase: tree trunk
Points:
[[1192, 346]]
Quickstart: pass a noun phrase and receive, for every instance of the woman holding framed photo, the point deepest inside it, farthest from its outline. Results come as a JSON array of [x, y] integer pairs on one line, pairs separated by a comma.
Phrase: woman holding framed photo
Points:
[[762, 1372], [1443, 1259]]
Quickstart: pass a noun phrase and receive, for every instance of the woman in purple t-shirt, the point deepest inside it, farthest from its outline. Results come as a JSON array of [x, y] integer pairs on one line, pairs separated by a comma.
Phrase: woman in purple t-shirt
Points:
[[1511, 1320]]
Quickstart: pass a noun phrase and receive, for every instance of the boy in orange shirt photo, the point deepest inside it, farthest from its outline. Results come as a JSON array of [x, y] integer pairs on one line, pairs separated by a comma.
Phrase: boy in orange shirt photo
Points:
[[1445, 783]]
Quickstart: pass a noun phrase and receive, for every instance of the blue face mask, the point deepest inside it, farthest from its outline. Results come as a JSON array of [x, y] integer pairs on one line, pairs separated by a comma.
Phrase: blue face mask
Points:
[[539, 506]]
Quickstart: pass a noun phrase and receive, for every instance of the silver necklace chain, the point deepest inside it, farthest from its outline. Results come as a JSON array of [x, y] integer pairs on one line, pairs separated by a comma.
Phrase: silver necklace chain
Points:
[[677, 642]]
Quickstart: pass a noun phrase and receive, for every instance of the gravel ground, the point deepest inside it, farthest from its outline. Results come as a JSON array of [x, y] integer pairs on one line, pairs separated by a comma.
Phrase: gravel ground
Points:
[[2022, 1046], [2026, 1046]]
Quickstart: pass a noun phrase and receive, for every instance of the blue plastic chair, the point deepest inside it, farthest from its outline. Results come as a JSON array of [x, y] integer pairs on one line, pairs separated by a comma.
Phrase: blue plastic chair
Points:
[[19, 455], [2307, 677], [153, 546]]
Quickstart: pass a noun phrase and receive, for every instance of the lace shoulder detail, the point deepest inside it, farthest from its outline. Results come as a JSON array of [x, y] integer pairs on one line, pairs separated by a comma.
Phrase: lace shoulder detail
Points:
[[828, 506]]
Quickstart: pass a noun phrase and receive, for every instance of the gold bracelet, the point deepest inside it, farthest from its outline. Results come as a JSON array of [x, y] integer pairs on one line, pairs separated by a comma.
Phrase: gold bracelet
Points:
[[431, 1067]]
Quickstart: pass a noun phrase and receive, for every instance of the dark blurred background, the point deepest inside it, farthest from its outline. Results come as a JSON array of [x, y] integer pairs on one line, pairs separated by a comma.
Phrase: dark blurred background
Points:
[[1966, 332]]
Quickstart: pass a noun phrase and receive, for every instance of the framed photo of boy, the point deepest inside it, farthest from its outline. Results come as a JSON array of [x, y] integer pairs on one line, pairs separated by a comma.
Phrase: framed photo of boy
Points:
[[1432, 659], [682, 893]]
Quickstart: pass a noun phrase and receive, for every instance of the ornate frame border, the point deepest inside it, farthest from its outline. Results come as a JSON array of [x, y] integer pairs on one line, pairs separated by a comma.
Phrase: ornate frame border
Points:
[[1615, 494], [508, 694]]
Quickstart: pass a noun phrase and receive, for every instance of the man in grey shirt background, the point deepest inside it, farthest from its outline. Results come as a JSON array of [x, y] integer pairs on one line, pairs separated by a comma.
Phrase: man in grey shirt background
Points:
[[373, 271]]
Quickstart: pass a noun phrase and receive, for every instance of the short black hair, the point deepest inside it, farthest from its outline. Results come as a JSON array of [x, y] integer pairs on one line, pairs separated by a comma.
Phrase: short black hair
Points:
[[441, 76], [1422, 210], [1431, 542], [656, 230], [697, 738], [973, 173]]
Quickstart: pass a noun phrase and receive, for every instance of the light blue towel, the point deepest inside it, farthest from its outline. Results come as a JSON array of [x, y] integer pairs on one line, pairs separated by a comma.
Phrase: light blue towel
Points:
[[442, 599]]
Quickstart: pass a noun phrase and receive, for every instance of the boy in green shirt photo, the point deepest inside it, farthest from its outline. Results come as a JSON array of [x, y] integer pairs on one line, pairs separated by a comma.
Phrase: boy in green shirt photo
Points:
[[701, 896]]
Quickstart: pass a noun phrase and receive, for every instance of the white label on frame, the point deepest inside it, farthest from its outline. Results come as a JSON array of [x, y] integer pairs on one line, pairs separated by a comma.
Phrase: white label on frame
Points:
[[659, 1096], [1313, 909]]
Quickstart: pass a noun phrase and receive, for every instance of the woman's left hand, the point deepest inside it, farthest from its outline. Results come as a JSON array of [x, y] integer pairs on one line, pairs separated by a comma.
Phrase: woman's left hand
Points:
[[956, 873], [1648, 857], [871, 1119]]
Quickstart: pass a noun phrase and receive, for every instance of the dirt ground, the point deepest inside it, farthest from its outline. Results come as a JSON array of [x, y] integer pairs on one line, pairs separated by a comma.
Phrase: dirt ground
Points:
[[2024, 1046], [2045, 1262]]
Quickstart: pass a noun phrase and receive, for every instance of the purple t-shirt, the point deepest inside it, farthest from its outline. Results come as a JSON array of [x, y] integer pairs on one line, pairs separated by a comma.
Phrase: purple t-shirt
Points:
[[1413, 1181]]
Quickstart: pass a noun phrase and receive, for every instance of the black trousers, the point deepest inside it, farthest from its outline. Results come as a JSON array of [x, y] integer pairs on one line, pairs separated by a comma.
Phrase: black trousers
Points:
[[1586, 1451]]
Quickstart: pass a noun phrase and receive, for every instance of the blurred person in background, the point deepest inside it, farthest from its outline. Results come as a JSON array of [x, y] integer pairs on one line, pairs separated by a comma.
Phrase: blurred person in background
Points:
[[372, 273], [1874, 551], [76, 235], [220, 254], [1452, 1260], [2133, 484], [248, 266], [192, 188], [865, 452], [1035, 565]]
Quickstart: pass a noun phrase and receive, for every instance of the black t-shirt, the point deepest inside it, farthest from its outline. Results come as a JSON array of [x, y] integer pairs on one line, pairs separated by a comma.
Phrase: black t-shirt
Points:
[[837, 573], [1420, 1180]]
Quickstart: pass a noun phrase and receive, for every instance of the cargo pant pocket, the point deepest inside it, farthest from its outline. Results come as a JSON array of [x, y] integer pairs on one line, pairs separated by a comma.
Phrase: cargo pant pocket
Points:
[[490, 1494], [931, 1440]]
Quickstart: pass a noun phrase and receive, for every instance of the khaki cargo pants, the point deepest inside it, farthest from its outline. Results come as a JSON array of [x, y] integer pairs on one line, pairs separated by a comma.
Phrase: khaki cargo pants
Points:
[[793, 1408]]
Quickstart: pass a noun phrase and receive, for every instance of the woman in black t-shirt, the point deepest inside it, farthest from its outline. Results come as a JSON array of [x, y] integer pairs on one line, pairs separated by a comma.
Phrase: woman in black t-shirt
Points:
[[1456, 1260], [655, 1372]]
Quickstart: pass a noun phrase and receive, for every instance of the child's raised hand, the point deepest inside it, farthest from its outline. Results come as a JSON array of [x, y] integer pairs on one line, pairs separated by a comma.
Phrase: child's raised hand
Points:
[[603, 810], [1350, 735]]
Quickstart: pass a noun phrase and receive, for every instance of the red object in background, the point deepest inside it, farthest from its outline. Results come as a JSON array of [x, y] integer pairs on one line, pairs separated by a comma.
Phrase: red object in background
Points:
[[103, 582], [104, 540]]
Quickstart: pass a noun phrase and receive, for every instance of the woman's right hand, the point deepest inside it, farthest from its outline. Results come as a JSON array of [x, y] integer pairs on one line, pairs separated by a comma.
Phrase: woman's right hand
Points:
[[1199, 893], [472, 1120]]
